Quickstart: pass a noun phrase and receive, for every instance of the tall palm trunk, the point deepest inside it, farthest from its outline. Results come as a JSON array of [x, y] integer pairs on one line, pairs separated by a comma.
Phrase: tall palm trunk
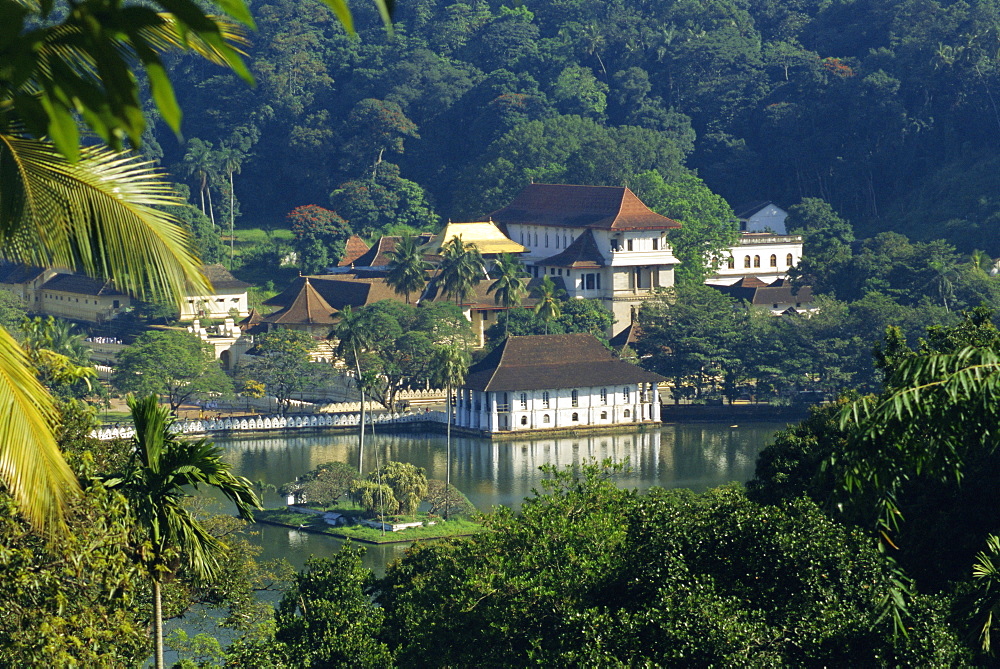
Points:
[[211, 208], [157, 624], [232, 205], [447, 458], [201, 191], [361, 435]]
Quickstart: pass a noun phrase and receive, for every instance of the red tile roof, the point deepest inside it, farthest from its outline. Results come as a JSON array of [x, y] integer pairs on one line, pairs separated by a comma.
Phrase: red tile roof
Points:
[[599, 207], [551, 362], [354, 249]]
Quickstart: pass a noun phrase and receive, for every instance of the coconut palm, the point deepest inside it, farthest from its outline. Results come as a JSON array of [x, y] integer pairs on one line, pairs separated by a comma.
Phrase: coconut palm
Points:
[[448, 366], [89, 208], [407, 269], [507, 288], [230, 160], [460, 269], [163, 468], [547, 295]]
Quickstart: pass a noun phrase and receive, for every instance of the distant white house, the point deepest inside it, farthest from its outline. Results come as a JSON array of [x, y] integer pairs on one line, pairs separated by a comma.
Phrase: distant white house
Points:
[[762, 217], [228, 294], [763, 255], [555, 382]]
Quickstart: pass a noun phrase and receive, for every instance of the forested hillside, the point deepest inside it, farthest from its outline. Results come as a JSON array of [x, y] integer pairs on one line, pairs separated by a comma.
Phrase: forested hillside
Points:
[[888, 110]]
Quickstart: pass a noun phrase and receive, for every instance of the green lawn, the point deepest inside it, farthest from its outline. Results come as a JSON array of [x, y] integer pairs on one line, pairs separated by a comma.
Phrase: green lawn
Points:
[[441, 529]]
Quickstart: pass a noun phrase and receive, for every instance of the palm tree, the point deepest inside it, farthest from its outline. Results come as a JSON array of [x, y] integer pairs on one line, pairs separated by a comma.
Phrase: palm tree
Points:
[[96, 209], [460, 269], [448, 366], [354, 336], [155, 483], [230, 159], [407, 269], [201, 162], [548, 295], [508, 288]]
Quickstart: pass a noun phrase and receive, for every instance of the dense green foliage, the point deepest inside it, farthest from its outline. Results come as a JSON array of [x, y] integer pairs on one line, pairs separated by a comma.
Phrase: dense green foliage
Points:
[[397, 343], [473, 100], [591, 575], [282, 365], [174, 364]]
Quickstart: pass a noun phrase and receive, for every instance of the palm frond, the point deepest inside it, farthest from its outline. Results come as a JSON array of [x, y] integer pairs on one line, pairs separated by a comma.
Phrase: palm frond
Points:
[[97, 215], [31, 466]]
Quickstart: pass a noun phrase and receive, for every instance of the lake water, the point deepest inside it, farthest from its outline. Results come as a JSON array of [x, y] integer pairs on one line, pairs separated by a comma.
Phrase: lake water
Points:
[[695, 456]]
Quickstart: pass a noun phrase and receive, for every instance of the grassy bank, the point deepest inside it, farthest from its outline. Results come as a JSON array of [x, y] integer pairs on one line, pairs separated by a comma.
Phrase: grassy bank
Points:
[[457, 527]]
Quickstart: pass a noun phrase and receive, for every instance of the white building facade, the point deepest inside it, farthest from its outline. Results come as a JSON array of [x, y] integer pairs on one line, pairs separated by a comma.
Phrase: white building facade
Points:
[[764, 255], [602, 241], [557, 408], [554, 382]]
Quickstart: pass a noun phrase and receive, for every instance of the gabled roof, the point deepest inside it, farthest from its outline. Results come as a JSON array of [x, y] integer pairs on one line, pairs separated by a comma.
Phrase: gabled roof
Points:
[[221, 279], [582, 253], [746, 210], [81, 285], [484, 235], [379, 254], [253, 323], [627, 337], [15, 273], [354, 249], [308, 307], [551, 362], [598, 207]]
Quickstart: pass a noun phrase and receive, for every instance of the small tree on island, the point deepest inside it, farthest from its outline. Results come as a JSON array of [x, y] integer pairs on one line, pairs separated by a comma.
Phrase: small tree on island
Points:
[[323, 486], [395, 489]]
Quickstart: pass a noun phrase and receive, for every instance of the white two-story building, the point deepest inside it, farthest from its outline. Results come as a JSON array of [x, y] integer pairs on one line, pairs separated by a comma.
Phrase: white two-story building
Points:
[[555, 382], [602, 240]]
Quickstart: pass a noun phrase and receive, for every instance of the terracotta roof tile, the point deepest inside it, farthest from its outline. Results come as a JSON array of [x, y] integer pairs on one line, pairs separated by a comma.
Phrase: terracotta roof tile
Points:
[[354, 249], [599, 207], [553, 361]]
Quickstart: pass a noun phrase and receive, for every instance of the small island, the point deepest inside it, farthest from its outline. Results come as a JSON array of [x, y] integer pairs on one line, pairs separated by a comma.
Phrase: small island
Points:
[[396, 503]]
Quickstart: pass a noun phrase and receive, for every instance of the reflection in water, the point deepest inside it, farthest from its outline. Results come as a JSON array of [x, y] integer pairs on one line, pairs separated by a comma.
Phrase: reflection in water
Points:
[[697, 456]]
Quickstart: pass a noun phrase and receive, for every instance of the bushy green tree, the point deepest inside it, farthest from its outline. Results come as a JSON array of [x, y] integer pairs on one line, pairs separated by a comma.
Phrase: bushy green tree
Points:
[[175, 365], [282, 364], [708, 226]]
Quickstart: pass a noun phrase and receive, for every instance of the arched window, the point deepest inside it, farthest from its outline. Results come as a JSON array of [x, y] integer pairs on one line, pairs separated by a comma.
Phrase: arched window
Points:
[[545, 418], [545, 400], [746, 261], [626, 394], [774, 260], [731, 263], [576, 417], [604, 415], [524, 420], [604, 395], [756, 261], [788, 260], [575, 397], [628, 414], [524, 400]]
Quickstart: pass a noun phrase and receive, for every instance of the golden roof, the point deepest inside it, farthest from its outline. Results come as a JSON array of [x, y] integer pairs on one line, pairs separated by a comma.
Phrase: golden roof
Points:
[[484, 235]]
